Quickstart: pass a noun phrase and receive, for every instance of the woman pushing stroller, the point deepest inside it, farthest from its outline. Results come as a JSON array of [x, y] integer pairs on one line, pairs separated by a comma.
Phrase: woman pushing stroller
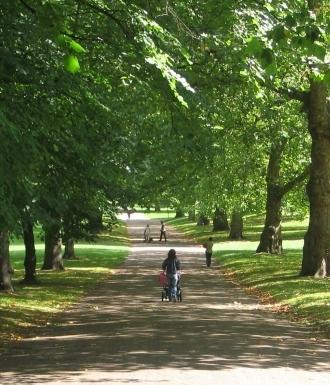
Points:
[[171, 267]]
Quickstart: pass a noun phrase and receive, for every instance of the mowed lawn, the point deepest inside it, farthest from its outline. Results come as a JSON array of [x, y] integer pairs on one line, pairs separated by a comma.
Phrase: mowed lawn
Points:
[[274, 278], [35, 305]]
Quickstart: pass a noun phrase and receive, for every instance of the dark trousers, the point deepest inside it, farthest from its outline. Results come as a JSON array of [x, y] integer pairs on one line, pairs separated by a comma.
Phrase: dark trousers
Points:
[[208, 258], [162, 233]]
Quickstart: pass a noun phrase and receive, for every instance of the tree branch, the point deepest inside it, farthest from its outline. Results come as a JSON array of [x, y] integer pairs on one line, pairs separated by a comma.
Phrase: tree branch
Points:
[[107, 13], [293, 94], [295, 181], [28, 6]]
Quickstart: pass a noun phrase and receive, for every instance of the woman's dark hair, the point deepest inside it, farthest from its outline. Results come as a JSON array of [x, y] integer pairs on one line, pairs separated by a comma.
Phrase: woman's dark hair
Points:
[[172, 254]]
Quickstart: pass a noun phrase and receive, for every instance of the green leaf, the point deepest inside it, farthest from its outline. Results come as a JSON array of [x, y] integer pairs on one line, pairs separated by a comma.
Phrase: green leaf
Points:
[[71, 64], [254, 46], [279, 33], [269, 7], [267, 57], [318, 77], [290, 21], [327, 78], [271, 69], [76, 47], [62, 39], [66, 41], [318, 50]]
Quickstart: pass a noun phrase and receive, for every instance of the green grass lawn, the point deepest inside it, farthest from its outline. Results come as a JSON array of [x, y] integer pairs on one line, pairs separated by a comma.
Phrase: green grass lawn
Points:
[[35, 305], [163, 215], [275, 279]]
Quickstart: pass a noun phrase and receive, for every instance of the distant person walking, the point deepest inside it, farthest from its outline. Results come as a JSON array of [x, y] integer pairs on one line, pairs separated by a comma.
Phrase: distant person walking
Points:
[[162, 231], [147, 234], [208, 251]]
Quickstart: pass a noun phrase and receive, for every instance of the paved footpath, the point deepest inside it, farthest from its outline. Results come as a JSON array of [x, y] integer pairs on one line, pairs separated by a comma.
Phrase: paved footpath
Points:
[[121, 333]]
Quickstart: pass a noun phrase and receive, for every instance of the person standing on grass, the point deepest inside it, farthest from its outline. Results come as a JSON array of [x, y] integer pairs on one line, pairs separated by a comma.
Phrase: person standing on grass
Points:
[[208, 251], [171, 267], [162, 231]]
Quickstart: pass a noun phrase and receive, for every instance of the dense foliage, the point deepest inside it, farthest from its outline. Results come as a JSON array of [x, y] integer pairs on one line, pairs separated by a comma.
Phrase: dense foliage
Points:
[[193, 104]]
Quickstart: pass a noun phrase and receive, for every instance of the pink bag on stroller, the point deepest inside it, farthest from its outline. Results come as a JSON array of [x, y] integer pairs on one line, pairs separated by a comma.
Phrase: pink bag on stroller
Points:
[[162, 279]]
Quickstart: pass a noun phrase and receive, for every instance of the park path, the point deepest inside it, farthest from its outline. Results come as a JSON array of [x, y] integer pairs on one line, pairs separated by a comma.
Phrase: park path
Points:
[[121, 333]]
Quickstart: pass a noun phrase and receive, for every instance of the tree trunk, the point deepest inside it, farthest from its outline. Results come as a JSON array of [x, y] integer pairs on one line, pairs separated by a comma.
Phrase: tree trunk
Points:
[[220, 221], [179, 213], [271, 236], [53, 249], [192, 215], [69, 252], [316, 261], [203, 220], [30, 259], [271, 239], [236, 225], [96, 221], [5, 268]]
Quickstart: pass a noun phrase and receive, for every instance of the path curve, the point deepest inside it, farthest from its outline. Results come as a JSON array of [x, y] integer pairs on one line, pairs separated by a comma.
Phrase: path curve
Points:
[[121, 333]]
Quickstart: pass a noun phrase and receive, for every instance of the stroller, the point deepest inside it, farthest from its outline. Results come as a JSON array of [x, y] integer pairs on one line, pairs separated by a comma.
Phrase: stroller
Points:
[[166, 290]]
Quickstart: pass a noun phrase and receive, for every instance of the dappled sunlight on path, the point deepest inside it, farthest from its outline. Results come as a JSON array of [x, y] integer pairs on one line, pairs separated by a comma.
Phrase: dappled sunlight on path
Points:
[[122, 333]]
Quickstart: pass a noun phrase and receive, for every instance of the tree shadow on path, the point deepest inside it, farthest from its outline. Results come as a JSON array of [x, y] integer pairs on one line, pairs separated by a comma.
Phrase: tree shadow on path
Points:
[[122, 326]]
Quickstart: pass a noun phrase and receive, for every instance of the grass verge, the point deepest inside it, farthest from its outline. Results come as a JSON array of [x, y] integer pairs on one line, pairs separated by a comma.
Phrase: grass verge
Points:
[[35, 305], [275, 279]]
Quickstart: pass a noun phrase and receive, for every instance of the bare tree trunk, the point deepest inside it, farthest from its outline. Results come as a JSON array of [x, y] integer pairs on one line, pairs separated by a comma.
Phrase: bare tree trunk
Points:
[[316, 261], [203, 220], [220, 221], [192, 215], [69, 251], [5, 268], [236, 225], [53, 258], [30, 259], [179, 213], [271, 236], [271, 239], [274, 200]]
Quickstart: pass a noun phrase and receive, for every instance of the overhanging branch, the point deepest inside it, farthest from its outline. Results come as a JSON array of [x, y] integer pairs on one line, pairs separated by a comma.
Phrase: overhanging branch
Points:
[[295, 181], [28, 6], [106, 12]]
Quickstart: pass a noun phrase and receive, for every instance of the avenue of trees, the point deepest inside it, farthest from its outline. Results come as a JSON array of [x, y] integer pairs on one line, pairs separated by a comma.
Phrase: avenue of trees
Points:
[[205, 105]]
